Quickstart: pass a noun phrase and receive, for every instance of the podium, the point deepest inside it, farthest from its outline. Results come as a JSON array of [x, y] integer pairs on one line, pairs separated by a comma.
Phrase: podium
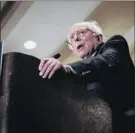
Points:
[[31, 104]]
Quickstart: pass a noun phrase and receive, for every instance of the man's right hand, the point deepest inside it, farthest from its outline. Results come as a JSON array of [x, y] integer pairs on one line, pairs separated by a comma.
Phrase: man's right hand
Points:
[[49, 66]]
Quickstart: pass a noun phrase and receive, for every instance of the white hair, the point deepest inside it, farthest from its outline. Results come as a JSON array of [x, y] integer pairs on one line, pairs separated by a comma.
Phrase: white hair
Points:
[[93, 26]]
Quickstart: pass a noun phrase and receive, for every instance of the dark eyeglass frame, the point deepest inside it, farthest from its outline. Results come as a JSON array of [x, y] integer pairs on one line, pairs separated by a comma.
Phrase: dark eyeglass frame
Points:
[[80, 32]]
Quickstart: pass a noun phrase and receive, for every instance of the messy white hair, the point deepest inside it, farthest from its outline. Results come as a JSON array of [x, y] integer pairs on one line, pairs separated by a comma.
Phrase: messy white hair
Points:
[[93, 26]]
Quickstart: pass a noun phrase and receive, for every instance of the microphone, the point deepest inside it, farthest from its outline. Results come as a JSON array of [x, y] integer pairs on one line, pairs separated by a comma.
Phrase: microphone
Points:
[[56, 56]]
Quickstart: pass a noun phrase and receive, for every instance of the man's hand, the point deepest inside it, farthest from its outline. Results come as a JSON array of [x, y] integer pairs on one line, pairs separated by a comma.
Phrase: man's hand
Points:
[[49, 66]]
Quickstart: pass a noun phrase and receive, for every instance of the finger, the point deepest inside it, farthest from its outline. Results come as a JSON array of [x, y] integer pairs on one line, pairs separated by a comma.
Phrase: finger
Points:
[[43, 70], [42, 62], [53, 71], [48, 70]]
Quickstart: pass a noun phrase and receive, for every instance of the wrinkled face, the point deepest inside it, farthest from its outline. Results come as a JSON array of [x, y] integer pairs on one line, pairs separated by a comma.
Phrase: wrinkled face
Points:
[[82, 40]]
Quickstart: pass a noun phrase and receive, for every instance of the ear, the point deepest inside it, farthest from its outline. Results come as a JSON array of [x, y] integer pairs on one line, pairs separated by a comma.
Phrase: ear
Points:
[[100, 38]]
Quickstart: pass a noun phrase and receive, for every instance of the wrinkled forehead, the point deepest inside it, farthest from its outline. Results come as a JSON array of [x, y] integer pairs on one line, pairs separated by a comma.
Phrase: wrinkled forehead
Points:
[[76, 28]]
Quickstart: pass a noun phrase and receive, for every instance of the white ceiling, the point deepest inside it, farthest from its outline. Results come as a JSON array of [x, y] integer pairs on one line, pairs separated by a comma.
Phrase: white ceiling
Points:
[[46, 23], [129, 36]]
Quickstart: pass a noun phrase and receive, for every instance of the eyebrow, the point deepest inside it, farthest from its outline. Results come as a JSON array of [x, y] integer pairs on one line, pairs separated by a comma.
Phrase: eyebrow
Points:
[[76, 31]]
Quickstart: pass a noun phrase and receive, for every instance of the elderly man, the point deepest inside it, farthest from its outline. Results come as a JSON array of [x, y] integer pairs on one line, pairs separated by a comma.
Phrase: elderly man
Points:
[[106, 68]]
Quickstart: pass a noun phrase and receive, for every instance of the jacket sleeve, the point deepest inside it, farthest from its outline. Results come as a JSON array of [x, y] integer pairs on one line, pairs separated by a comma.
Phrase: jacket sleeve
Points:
[[113, 54]]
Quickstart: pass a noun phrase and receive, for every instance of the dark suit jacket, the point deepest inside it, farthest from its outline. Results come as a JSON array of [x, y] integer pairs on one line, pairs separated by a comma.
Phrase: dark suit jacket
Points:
[[110, 73]]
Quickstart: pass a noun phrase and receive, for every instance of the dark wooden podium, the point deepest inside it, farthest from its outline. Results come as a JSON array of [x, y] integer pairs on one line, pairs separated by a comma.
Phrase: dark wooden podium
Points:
[[59, 105]]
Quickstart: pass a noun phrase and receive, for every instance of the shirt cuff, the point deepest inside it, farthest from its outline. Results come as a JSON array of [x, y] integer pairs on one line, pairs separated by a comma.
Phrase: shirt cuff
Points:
[[69, 69]]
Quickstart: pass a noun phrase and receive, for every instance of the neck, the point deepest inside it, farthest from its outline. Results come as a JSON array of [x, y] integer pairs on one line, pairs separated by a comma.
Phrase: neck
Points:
[[93, 50], [97, 45]]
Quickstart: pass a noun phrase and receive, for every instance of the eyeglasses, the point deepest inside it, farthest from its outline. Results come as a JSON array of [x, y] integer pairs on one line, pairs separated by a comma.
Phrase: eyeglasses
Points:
[[80, 33]]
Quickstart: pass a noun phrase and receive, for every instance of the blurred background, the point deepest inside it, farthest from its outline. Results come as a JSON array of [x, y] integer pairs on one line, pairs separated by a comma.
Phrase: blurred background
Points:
[[39, 28]]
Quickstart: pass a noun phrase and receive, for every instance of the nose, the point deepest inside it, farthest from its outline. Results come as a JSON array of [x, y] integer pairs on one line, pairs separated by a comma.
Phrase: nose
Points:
[[77, 38]]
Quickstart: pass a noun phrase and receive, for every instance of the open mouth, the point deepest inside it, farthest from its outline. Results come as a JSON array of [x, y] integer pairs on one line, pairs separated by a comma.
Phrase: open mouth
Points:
[[79, 47]]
